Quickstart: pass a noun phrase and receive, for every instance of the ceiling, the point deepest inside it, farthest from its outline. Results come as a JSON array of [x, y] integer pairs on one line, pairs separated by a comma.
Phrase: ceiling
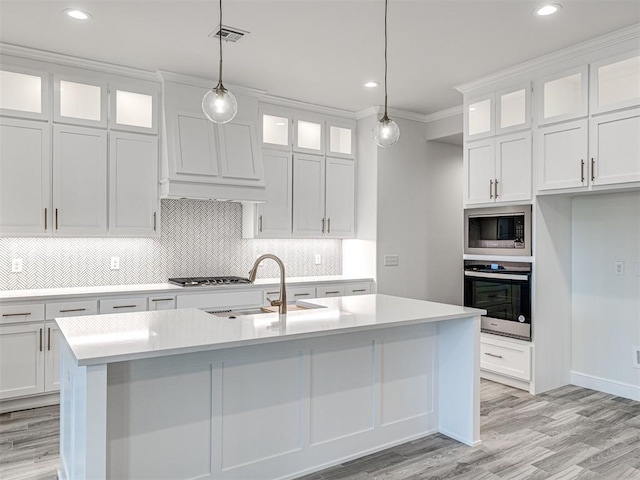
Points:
[[319, 51]]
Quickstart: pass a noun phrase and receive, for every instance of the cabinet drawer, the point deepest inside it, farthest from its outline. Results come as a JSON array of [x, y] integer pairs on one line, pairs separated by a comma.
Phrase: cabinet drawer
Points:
[[121, 305], [293, 294], [357, 288], [71, 309], [162, 302], [506, 358], [32, 312], [222, 300], [330, 291]]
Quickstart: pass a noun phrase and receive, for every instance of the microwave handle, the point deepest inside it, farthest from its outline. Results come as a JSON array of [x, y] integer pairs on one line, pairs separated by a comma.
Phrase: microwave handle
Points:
[[507, 276]]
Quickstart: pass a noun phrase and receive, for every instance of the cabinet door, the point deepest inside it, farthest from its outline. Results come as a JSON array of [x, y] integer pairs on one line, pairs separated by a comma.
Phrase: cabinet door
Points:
[[340, 198], [562, 156], [563, 96], [615, 83], [123, 305], [240, 157], [21, 360], [195, 147], [133, 184], [24, 92], [480, 171], [341, 138], [274, 216], [79, 181], [133, 108], [162, 302], [309, 134], [25, 178], [277, 127], [330, 291], [513, 166], [479, 118], [52, 357], [308, 196], [79, 101], [615, 148], [513, 108]]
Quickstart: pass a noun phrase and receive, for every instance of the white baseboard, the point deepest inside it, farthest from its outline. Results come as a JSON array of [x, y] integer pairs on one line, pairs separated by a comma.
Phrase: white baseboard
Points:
[[460, 439], [607, 386], [24, 403]]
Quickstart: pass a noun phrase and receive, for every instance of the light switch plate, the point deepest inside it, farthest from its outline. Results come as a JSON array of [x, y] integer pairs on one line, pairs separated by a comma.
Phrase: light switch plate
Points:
[[619, 268], [16, 265], [391, 260], [115, 263], [636, 357]]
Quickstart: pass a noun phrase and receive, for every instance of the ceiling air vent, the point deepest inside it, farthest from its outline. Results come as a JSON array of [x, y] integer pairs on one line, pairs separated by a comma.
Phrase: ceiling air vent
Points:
[[228, 34]]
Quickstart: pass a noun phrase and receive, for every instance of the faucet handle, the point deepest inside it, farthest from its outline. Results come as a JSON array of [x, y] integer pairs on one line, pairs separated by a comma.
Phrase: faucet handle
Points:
[[276, 303]]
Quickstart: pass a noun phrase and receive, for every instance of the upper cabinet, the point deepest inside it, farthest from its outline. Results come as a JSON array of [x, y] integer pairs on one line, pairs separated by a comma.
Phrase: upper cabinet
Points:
[[615, 83], [276, 128], [479, 117], [308, 133], [24, 92], [133, 108], [79, 101], [563, 96], [341, 138], [513, 108]]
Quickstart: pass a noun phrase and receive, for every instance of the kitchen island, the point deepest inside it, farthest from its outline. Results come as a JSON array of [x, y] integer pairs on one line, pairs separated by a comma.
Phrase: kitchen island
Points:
[[186, 394]]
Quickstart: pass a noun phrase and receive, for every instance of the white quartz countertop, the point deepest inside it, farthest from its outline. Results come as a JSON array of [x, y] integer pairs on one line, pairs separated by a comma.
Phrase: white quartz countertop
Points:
[[100, 339], [152, 288]]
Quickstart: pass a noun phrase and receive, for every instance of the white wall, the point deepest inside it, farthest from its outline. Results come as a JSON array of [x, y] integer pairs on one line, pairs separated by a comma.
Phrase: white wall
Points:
[[606, 306]]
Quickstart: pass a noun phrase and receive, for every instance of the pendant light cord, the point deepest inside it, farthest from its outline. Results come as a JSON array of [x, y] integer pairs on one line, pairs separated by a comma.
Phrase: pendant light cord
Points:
[[386, 8], [220, 38]]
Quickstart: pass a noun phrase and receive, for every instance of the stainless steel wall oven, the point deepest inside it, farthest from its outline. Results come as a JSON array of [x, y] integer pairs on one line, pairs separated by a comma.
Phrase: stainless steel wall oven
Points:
[[503, 289]]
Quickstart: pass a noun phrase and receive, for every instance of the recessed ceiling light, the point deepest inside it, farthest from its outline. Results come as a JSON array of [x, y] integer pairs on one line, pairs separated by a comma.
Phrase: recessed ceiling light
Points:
[[77, 14], [548, 9], [371, 84]]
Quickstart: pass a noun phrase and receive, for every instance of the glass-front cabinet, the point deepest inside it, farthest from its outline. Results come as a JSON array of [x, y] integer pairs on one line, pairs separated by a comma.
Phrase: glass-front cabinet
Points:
[[133, 109], [615, 83], [513, 108], [276, 128], [340, 138], [24, 93], [479, 117], [79, 101], [309, 133], [563, 96]]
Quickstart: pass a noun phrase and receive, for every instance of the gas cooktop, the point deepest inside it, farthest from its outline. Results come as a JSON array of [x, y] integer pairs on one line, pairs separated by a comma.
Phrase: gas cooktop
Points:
[[207, 281]]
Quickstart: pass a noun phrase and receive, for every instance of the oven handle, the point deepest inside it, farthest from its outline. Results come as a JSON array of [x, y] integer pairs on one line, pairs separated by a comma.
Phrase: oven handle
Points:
[[507, 276]]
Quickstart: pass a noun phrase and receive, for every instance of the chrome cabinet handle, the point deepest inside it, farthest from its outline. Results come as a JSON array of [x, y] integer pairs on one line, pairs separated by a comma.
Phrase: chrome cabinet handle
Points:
[[301, 294], [49, 339], [45, 218], [496, 189], [125, 306], [40, 339], [56, 219], [359, 290], [260, 223], [328, 225], [154, 221], [593, 169], [329, 293], [273, 293], [161, 299], [73, 310], [582, 171], [323, 225], [493, 355], [490, 188], [15, 314]]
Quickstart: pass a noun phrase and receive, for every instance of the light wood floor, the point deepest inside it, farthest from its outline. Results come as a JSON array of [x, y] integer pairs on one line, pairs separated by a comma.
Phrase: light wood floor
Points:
[[569, 433]]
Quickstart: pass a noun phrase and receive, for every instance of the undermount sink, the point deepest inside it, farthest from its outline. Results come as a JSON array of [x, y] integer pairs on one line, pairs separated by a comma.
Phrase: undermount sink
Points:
[[264, 310]]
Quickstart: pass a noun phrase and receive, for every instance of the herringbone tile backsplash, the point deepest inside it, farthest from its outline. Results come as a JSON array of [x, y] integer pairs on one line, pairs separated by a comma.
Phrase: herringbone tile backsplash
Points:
[[197, 238]]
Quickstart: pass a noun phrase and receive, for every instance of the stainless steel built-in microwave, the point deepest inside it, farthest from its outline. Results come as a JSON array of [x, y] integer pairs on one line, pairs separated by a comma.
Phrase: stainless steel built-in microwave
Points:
[[498, 231]]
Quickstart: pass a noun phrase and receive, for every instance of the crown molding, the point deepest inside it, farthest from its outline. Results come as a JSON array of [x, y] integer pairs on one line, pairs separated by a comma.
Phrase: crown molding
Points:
[[589, 46], [393, 113], [166, 75], [78, 62], [311, 107], [449, 112], [368, 112]]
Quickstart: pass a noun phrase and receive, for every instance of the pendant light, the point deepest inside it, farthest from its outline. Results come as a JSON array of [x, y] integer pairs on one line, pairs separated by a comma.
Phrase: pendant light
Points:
[[385, 132], [219, 104]]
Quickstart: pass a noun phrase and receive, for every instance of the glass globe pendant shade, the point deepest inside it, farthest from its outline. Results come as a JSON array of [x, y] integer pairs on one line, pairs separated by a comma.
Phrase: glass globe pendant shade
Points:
[[386, 132], [219, 105]]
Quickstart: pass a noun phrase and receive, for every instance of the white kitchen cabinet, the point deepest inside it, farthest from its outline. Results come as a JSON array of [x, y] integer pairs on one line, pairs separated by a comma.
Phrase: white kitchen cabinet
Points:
[[505, 357], [614, 148], [195, 148], [309, 133], [563, 96], [480, 172], [293, 294], [340, 198], [52, 357], [133, 108], [363, 288], [71, 309], [273, 217], [308, 196], [277, 128], [330, 291], [79, 181], [79, 101], [25, 178], [513, 108], [615, 83], [562, 155], [133, 185], [341, 138], [162, 302], [479, 118], [24, 92], [513, 168], [122, 305], [240, 157], [30, 312], [21, 360]]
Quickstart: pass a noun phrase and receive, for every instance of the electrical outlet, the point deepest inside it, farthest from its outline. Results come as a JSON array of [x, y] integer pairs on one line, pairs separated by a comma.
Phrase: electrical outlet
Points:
[[16, 265], [636, 357], [115, 263], [317, 259], [391, 260], [619, 267]]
